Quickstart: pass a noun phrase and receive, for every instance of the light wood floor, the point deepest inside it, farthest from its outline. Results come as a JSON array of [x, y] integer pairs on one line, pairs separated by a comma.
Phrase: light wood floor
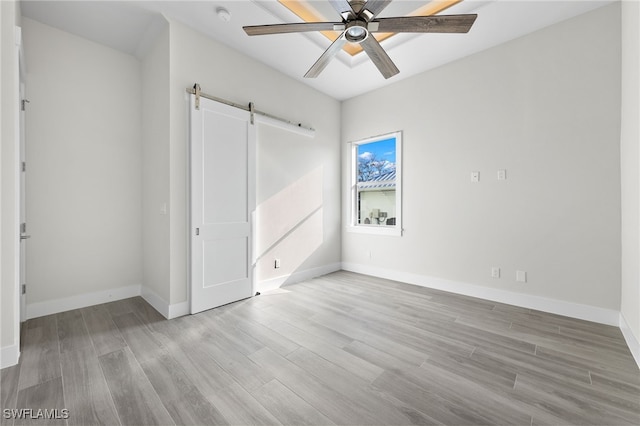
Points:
[[341, 349]]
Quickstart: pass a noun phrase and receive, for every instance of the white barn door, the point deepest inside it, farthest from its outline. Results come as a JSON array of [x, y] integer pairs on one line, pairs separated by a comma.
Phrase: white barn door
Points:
[[223, 164]]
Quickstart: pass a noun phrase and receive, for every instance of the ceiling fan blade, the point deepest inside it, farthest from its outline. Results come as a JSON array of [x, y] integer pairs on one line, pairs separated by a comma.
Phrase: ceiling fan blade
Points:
[[342, 7], [375, 7], [426, 24], [326, 57], [301, 27], [379, 57]]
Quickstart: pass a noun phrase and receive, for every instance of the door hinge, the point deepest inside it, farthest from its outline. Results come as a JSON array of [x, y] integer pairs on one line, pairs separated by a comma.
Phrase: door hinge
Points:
[[24, 289], [24, 103], [23, 228], [197, 231], [24, 166]]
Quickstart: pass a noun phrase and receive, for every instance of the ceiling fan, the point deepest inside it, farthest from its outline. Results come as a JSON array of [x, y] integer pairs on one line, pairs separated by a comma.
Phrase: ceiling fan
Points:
[[358, 22]]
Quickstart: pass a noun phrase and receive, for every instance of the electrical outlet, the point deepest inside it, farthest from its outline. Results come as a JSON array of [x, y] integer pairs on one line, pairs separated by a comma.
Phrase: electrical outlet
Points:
[[521, 276], [276, 264], [495, 272]]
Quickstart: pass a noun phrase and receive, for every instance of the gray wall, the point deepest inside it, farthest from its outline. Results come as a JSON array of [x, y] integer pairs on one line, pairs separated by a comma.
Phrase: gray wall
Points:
[[83, 186], [9, 81], [108, 147], [285, 161], [155, 166], [545, 107], [630, 165]]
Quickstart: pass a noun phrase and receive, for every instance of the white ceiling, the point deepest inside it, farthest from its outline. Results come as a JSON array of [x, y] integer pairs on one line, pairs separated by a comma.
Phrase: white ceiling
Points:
[[129, 26]]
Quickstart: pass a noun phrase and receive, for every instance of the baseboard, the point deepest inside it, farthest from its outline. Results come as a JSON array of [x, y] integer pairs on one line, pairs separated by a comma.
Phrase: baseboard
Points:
[[159, 304], [296, 277], [35, 310], [560, 307], [632, 340], [40, 309], [9, 355], [179, 310]]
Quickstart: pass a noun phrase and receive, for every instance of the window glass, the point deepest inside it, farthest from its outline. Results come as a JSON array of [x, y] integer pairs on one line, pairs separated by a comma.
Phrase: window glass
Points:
[[376, 183]]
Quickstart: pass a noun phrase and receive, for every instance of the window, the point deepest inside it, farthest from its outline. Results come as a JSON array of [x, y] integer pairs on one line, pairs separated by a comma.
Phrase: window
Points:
[[376, 196]]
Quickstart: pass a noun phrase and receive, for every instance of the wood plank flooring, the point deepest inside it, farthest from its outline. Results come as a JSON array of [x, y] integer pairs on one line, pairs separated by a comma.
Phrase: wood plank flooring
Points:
[[339, 349]]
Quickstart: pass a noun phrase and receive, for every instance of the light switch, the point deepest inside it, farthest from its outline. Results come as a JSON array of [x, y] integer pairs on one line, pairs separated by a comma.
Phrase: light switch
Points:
[[475, 176], [521, 276], [163, 209], [502, 174]]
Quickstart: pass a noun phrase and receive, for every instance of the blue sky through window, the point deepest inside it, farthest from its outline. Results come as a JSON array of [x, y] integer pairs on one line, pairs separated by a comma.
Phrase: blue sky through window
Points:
[[375, 158]]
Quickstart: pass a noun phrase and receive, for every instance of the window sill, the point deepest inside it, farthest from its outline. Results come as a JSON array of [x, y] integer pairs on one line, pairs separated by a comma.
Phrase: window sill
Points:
[[394, 231]]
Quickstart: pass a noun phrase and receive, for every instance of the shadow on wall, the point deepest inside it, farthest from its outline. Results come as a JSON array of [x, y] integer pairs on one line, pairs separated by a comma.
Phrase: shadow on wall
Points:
[[289, 227]]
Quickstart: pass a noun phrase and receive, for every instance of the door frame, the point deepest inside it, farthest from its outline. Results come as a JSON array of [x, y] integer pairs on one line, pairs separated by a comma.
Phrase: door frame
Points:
[[23, 202], [22, 153]]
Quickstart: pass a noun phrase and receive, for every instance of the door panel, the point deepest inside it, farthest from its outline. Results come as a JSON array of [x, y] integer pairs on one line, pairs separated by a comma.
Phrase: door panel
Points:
[[224, 261], [225, 174], [222, 202]]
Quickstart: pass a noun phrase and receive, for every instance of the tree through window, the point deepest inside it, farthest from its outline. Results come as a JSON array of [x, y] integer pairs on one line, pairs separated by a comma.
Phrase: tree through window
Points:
[[376, 184]]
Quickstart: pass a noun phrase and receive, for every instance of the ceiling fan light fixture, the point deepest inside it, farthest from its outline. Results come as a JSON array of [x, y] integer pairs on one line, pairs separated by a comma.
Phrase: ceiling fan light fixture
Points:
[[356, 31]]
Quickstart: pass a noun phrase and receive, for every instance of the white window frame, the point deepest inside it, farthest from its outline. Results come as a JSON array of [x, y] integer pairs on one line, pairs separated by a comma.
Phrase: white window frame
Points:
[[353, 225]]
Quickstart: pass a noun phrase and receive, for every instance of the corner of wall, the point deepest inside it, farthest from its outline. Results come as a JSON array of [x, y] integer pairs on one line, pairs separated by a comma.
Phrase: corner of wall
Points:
[[630, 338], [169, 311], [9, 355], [630, 175]]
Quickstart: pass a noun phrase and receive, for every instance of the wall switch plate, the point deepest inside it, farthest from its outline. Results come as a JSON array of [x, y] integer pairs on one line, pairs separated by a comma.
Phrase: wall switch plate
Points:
[[521, 276], [475, 176], [276, 264], [163, 209], [502, 174], [495, 272]]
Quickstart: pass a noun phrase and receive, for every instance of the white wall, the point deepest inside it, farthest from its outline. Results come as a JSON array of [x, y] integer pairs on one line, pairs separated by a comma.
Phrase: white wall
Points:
[[155, 166], [84, 167], [545, 107], [630, 168], [101, 169], [286, 162], [9, 80]]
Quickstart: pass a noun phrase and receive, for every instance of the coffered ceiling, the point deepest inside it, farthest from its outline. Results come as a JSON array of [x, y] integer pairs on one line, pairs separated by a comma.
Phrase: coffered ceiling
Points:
[[128, 26]]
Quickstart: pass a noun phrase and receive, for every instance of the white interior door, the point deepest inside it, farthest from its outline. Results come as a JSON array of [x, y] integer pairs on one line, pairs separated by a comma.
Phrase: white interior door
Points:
[[223, 164]]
